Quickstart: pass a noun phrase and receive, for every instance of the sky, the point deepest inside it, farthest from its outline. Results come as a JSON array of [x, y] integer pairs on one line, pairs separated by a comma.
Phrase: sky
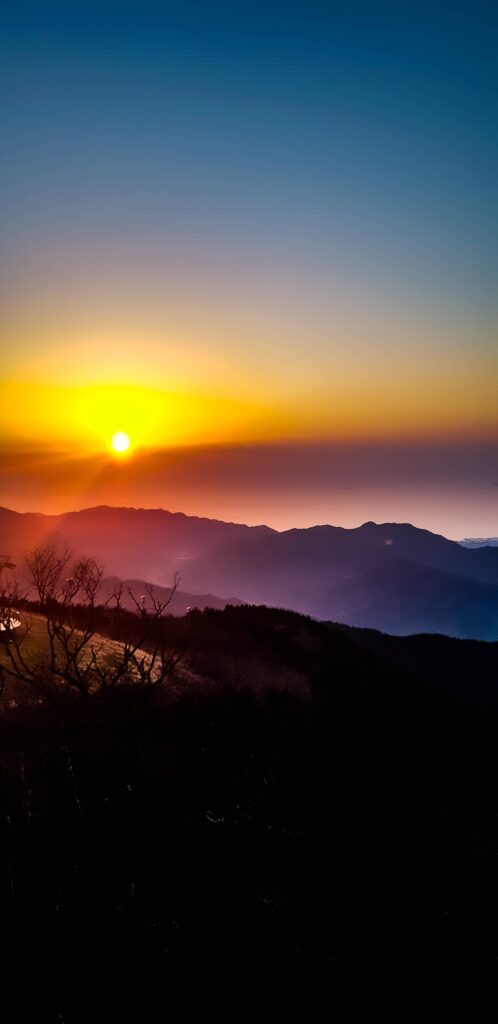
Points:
[[261, 239]]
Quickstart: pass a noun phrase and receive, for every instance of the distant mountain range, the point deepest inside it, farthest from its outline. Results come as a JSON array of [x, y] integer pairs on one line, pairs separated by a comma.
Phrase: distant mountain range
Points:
[[133, 542], [392, 577], [480, 542]]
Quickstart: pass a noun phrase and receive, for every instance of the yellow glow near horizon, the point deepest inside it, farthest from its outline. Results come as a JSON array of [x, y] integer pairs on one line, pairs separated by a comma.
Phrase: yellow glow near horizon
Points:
[[84, 419], [120, 442], [372, 404], [112, 338]]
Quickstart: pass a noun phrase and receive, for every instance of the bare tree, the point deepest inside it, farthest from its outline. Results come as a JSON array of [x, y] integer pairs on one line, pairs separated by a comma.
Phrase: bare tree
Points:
[[78, 658], [8, 621]]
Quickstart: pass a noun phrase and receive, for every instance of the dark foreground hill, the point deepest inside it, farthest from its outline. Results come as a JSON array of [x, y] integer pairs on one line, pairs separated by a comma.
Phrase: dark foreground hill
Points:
[[309, 798]]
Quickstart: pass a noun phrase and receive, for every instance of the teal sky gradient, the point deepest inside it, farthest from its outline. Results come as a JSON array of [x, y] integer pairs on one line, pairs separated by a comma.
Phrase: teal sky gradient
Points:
[[287, 203]]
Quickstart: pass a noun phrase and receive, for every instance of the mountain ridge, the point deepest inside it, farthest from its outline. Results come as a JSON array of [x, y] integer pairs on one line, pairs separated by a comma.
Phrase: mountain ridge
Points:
[[390, 576]]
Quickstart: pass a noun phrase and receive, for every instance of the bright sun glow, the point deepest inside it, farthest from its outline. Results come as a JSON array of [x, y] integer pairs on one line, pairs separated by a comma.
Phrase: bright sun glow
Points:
[[120, 442]]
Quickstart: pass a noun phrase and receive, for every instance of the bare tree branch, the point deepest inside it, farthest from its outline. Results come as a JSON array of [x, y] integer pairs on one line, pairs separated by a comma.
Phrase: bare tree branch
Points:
[[69, 593]]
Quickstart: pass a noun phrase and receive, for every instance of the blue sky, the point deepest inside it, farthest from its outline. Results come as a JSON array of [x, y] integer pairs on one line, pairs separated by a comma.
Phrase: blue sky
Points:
[[362, 135]]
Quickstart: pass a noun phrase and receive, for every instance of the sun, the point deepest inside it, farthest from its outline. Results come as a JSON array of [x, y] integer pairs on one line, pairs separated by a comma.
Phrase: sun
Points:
[[120, 442]]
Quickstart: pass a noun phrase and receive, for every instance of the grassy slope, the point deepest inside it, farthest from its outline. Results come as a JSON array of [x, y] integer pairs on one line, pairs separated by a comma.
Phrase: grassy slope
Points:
[[35, 649]]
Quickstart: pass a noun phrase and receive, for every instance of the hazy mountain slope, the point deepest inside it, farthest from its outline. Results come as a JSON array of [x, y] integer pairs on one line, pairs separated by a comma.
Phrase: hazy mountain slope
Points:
[[405, 598], [181, 602], [393, 577], [145, 543], [322, 549], [20, 532]]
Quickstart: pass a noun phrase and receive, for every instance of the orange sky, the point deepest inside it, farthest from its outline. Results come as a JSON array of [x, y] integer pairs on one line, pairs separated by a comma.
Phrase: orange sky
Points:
[[77, 394], [240, 231], [449, 488]]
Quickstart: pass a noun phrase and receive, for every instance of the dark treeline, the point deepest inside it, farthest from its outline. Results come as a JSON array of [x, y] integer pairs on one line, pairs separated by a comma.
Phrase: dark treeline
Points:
[[294, 802]]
